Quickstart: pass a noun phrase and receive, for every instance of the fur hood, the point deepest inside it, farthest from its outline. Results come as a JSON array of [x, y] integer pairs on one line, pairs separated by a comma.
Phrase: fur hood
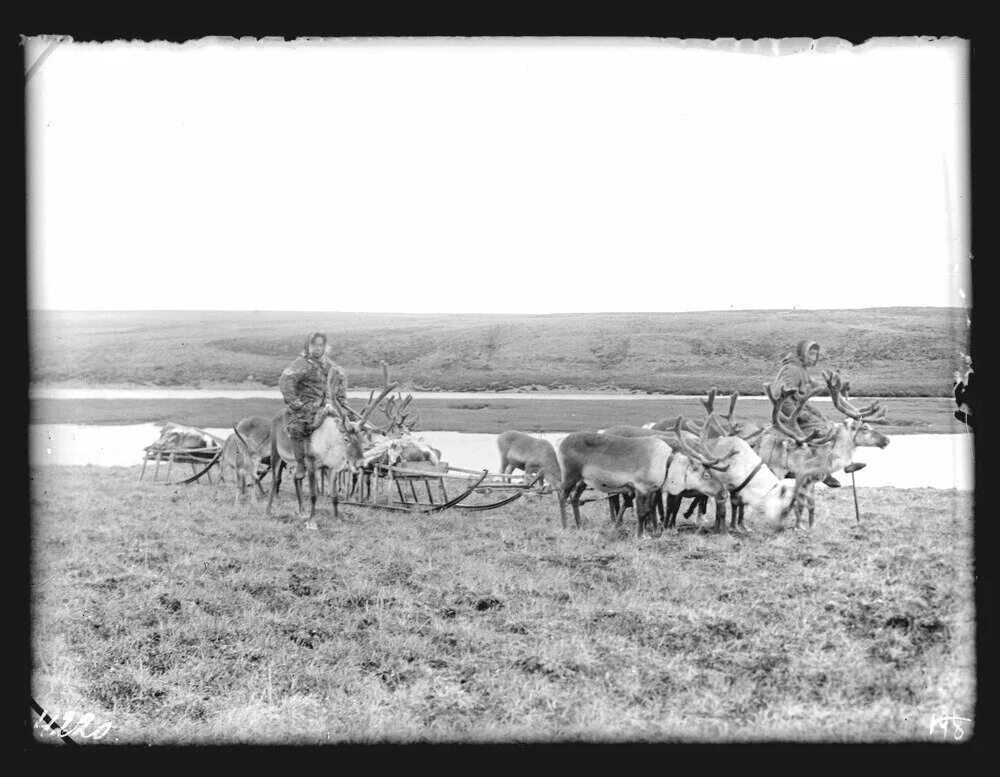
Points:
[[798, 356]]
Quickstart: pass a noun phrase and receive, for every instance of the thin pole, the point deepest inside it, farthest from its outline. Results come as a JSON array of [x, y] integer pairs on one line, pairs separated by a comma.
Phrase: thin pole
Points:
[[854, 489]]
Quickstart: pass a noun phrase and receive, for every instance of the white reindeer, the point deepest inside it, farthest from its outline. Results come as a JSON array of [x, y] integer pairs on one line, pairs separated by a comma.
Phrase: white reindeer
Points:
[[746, 478]]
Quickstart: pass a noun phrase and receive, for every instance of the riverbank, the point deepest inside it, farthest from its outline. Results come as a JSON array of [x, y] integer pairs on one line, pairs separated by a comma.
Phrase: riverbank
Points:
[[906, 415]]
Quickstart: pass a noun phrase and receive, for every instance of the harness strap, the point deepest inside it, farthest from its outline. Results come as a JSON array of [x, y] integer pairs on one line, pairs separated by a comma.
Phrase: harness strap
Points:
[[741, 486]]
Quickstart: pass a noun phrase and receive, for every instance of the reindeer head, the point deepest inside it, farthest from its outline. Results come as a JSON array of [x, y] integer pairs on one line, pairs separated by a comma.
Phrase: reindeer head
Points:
[[355, 433], [355, 453], [865, 435], [860, 420], [251, 455], [707, 471], [701, 478], [780, 501]]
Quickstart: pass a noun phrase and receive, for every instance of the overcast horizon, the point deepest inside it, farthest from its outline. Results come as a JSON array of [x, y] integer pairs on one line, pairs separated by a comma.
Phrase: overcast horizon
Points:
[[464, 177]]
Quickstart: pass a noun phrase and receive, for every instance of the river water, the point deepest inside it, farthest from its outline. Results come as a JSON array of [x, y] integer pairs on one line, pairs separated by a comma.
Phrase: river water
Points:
[[942, 461], [47, 392]]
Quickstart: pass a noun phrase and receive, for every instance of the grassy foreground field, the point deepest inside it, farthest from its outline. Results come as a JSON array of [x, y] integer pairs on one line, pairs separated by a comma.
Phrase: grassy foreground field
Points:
[[176, 618], [906, 415], [882, 351]]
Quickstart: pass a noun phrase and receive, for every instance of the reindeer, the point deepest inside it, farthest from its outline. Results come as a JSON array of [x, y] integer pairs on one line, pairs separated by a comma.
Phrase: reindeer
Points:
[[748, 431], [833, 451], [666, 426], [639, 467], [712, 428], [746, 476], [534, 456], [335, 444], [176, 436], [685, 478], [856, 432], [403, 424], [246, 453], [395, 436], [612, 464]]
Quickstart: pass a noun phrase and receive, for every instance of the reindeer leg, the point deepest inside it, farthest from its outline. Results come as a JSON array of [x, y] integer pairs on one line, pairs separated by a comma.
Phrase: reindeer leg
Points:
[[576, 502], [673, 505], [251, 489], [335, 493], [720, 514], [564, 494], [627, 502], [275, 481], [298, 493], [691, 508], [743, 526], [613, 504], [276, 475], [313, 491]]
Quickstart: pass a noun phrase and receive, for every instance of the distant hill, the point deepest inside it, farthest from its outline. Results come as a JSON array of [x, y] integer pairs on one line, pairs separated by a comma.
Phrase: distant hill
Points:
[[882, 351]]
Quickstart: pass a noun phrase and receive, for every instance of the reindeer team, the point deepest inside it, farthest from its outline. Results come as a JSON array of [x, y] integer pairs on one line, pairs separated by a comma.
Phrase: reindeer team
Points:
[[773, 469], [677, 458]]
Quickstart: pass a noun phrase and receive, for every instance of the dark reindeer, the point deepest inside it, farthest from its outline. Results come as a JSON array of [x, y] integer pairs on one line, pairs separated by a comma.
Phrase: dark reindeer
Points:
[[533, 456]]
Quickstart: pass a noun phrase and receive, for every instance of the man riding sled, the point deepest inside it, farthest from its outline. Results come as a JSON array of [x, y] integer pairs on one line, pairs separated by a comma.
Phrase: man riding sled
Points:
[[304, 388]]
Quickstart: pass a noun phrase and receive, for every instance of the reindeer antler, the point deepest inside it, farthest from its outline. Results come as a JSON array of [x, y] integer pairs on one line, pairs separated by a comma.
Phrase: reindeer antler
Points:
[[700, 454], [393, 409], [332, 386], [712, 422], [792, 431], [710, 402], [733, 426], [838, 392], [387, 388], [873, 408]]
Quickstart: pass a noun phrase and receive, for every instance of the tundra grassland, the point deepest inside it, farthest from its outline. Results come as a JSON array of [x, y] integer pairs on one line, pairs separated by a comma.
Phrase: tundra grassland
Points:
[[178, 618], [881, 351], [905, 415]]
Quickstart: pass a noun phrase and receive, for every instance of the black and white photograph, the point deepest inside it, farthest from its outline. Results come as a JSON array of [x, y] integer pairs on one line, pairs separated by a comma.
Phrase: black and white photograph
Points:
[[500, 390]]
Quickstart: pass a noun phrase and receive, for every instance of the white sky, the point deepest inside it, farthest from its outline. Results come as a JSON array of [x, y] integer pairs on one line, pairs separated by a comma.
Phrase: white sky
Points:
[[496, 176]]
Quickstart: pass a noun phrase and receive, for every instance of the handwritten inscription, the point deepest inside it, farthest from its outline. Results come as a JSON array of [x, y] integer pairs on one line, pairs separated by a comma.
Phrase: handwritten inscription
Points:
[[79, 730], [949, 724]]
